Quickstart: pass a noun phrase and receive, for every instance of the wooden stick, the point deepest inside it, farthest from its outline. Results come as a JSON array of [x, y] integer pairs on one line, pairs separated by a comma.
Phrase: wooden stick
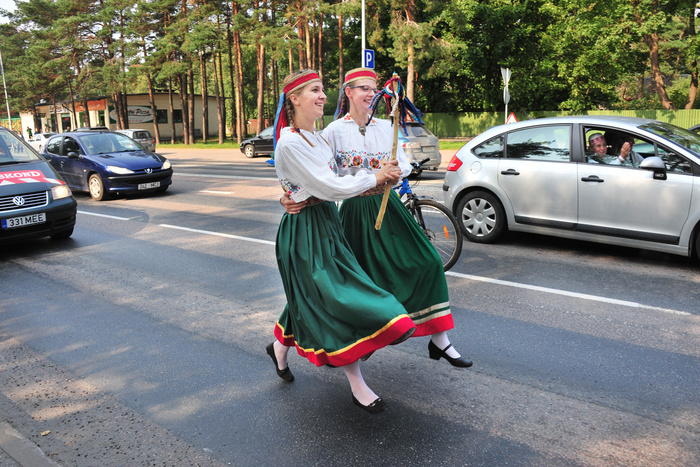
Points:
[[387, 191]]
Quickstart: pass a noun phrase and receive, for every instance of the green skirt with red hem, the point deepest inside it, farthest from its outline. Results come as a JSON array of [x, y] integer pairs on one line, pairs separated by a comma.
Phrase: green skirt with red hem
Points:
[[335, 314], [400, 259]]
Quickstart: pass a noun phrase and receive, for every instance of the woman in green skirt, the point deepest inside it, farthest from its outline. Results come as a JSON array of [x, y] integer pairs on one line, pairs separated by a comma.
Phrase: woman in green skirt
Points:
[[399, 258], [335, 314]]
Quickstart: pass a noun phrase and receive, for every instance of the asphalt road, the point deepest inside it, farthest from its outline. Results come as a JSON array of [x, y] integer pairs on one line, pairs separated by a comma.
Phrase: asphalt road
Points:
[[140, 341]]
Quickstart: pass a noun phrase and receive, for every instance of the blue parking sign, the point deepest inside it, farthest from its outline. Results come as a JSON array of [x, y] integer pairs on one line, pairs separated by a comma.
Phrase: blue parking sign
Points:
[[368, 59]]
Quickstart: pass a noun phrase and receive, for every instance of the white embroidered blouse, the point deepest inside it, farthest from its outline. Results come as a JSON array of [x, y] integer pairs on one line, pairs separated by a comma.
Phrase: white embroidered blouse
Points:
[[305, 171], [354, 152]]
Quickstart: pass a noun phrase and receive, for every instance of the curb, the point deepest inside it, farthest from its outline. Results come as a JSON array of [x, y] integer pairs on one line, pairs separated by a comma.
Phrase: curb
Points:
[[21, 450]]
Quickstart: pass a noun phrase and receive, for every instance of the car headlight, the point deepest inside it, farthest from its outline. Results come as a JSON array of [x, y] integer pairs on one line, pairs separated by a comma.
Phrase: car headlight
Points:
[[119, 170], [60, 192], [166, 165], [409, 145]]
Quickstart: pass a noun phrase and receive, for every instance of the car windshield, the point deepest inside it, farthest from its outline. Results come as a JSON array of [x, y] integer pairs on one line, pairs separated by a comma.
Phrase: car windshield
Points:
[[678, 135], [13, 150], [105, 143]]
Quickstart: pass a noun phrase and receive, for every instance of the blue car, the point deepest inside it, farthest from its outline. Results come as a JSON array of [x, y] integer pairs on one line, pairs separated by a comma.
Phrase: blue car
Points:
[[106, 163]]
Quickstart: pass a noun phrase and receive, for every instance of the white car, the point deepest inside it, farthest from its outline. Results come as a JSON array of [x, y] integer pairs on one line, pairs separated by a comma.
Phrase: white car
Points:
[[38, 141], [540, 176]]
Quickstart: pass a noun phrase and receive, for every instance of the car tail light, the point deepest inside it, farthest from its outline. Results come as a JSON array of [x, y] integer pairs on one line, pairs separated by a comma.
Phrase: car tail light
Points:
[[455, 163]]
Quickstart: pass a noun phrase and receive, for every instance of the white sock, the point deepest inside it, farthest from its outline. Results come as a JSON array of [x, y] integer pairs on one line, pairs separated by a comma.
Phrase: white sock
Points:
[[281, 354], [359, 388], [441, 340]]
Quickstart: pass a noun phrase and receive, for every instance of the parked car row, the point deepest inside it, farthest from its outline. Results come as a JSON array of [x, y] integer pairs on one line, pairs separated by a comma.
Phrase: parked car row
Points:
[[540, 176]]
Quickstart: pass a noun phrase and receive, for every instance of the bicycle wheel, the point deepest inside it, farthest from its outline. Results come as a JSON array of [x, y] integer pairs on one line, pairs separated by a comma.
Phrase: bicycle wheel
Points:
[[441, 228]]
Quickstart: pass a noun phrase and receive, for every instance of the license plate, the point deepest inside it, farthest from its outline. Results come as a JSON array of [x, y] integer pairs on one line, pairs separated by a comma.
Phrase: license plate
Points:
[[148, 186], [14, 222], [428, 148]]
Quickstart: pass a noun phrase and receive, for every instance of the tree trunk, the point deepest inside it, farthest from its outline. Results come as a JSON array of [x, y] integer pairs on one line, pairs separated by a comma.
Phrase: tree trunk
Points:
[[238, 67], [341, 73], [173, 135], [190, 101], [205, 97], [182, 82], [261, 88], [652, 41], [319, 45], [410, 72], [152, 100], [313, 44], [219, 107], [154, 110], [291, 61]]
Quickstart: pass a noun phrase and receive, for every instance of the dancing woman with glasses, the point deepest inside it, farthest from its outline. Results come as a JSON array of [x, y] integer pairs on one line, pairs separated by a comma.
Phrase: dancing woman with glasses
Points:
[[335, 314]]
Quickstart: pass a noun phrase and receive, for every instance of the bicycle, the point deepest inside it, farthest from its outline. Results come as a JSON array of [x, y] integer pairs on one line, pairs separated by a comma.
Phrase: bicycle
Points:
[[436, 221]]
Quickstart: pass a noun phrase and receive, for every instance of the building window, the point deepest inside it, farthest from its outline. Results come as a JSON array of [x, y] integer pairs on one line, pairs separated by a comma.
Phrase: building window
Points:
[[162, 115], [177, 115]]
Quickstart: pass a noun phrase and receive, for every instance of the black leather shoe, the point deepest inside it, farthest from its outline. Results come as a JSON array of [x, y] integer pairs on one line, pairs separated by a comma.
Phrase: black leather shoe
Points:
[[375, 407], [436, 354], [285, 374]]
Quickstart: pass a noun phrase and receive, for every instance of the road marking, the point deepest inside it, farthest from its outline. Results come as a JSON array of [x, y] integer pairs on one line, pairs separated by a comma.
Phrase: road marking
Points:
[[105, 215], [568, 294], [218, 234], [211, 192], [234, 177], [449, 273]]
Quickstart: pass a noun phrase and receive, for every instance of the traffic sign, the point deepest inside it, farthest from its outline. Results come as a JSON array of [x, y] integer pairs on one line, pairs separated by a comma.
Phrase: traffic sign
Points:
[[368, 58], [511, 118]]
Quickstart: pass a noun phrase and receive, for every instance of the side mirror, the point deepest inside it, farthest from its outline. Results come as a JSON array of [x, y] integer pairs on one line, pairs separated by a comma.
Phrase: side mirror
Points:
[[73, 155], [656, 165]]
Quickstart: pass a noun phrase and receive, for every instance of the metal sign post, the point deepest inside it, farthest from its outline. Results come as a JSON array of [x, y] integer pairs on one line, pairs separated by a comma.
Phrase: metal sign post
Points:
[[505, 72]]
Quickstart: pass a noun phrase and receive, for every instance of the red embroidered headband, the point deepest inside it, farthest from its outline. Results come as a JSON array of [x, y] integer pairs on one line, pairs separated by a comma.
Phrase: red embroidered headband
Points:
[[360, 73], [281, 116]]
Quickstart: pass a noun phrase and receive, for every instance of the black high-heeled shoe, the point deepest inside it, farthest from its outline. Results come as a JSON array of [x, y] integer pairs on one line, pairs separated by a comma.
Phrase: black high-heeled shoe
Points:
[[285, 374], [435, 353], [375, 407]]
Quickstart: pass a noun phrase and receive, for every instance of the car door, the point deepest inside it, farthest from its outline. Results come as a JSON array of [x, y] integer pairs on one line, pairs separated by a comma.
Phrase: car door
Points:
[[265, 144], [538, 176], [72, 169], [629, 202]]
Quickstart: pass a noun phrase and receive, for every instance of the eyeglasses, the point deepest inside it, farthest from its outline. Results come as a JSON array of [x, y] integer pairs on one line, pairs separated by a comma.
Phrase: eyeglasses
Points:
[[365, 89]]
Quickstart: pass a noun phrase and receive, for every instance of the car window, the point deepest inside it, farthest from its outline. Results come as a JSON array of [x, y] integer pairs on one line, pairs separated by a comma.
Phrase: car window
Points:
[[490, 148], [546, 143], [141, 135], [674, 162], [54, 146], [267, 132], [70, 145], [12, 150]]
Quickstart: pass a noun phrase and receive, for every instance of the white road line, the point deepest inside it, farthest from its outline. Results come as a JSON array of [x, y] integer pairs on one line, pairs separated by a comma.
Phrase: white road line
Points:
[[105, 215], [449, 273], [218, 234], [211, 192], [568, 294], [235, 177]]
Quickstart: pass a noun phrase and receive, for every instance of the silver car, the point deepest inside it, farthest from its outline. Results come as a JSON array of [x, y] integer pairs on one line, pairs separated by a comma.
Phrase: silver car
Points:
[[420, 144], [38, 141], [143, 137], [540, 176]]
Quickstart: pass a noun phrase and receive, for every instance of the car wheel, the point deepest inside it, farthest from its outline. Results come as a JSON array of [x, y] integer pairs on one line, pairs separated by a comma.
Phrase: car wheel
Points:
[[249, 150], [481, 217], [96, 187]]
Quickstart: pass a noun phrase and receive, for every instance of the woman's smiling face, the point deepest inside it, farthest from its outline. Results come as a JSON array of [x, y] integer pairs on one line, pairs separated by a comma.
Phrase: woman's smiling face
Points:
[[360, 94], [310, 100]]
